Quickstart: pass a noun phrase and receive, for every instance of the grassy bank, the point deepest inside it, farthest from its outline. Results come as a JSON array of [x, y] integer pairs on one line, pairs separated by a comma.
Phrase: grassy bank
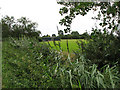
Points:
[[30, 64]]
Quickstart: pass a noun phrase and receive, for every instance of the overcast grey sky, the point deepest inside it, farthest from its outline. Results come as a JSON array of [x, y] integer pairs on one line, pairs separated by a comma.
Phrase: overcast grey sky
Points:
[[46, 14]]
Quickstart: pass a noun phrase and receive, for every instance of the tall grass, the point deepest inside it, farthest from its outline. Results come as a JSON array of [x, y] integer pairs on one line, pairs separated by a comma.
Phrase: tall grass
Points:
[[30, 64]]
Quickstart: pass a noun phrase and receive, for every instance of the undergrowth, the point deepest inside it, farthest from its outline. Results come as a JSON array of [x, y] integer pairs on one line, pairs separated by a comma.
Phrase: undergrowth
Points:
[[30, 64]]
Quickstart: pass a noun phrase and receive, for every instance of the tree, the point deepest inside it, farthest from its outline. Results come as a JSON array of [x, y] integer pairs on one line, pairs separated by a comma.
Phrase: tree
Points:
[[109, 10], [85, 35], [74, 9], [39, 32], [75, 34], [26, 25], [19, 27], [60, 33], [7, 25], [46, 35], [53, 35]]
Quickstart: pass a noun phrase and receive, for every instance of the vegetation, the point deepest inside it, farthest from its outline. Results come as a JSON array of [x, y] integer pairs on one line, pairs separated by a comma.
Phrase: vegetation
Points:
[[18, 28], [61, 45], [28, 63], [74, 35], [107, 13]]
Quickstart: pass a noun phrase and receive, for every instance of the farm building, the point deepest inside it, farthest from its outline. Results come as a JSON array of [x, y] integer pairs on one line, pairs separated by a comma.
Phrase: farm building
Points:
[[51, 39]]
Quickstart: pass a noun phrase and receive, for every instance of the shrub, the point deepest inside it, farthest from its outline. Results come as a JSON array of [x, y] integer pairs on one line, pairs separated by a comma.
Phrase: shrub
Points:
[[102, 49]]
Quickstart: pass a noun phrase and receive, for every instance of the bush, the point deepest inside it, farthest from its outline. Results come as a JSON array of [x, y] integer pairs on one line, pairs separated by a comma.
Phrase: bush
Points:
[[103, 48]]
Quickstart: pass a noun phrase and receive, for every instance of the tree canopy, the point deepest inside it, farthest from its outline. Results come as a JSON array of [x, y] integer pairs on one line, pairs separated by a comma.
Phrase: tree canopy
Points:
[[19, 27], [109, 10]]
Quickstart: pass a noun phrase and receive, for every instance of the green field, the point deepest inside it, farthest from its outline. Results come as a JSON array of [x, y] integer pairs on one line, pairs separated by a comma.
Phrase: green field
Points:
[[72, 43]]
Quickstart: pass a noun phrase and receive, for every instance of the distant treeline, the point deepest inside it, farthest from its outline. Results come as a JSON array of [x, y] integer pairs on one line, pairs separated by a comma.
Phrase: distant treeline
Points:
[[72, 35]]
